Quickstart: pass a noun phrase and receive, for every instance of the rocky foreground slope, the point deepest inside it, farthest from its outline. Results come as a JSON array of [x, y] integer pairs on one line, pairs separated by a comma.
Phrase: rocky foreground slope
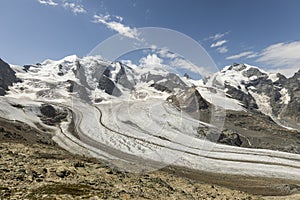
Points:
[[33, 167], [46, 172]]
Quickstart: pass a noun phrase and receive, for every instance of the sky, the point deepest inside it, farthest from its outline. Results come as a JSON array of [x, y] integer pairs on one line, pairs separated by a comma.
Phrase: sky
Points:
[[264, 33]]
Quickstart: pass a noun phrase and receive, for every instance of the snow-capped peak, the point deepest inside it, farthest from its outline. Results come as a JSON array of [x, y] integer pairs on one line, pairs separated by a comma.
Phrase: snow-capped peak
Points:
[[71, 58]]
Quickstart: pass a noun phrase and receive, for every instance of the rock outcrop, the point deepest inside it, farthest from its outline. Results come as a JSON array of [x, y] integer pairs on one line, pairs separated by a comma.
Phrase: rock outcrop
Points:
[[7, 77]]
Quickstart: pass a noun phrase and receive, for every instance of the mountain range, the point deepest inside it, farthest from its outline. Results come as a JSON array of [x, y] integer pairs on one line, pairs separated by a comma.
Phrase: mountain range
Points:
[[128, 114]]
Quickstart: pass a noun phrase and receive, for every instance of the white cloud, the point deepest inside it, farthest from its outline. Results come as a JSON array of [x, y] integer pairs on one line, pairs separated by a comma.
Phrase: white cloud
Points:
[[185, 64], [151, 60], [119, 18], [240, 55], [166, 53], [253, 55], [117, 26], [217, 36], [222, 49], [282, 57], [288, 72], [281, 54], [75, 8], [218, 43], [48, 2]]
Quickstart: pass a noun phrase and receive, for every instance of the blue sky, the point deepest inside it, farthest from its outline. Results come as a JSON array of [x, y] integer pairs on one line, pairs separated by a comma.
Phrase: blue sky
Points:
[[258, 32]]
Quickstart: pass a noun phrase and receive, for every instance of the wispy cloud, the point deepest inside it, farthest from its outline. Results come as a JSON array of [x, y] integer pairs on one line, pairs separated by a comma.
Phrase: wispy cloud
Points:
[[217, 36], [110, 21], [281, 54], [287, 71], [241, 55], [166, 53], [282, 57], [48, 2], [223, 49], [218, 43], [74, 7], [185, 64], [177, 61], [253, 55], [117, 25]]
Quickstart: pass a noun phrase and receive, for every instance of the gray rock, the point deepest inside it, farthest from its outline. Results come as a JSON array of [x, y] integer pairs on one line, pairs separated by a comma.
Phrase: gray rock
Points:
[[80, 90], [108, 86], [165, 83], [230, 138], [122, 78], [48, 110], [52, 116], [246, 99], [191, 102], [7, 77], [62, 172]]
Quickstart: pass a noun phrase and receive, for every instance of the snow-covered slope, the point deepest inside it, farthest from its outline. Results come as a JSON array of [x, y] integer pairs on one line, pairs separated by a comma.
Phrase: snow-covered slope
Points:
[[95, 79], [236, 87]]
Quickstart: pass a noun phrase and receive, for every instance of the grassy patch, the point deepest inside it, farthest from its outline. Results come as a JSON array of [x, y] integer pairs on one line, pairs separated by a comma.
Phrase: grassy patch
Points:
[[61, 189]]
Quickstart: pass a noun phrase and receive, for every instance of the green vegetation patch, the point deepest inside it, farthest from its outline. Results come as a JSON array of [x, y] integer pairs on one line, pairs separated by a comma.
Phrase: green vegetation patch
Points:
[[60, 189]]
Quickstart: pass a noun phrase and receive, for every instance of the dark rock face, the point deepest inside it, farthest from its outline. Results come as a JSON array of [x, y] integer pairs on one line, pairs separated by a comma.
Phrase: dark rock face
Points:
[[237, 67], [194, 101], [165, 83], [226, 136], [160, 87], [26, 67], [80, 74], [256, 130], [253, 72], [151, 77], [61, 72], [191, 102], [230, 138], [52, 116], [7, 77], [108, 86], [173, 81], [48, 111], [80, 90], [122, 78], [287, 112], [291, 112], [101, 75], [246, 99]]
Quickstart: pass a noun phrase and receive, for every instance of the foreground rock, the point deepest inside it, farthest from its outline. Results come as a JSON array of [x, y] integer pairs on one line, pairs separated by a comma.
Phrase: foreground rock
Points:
[[46, 172]]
